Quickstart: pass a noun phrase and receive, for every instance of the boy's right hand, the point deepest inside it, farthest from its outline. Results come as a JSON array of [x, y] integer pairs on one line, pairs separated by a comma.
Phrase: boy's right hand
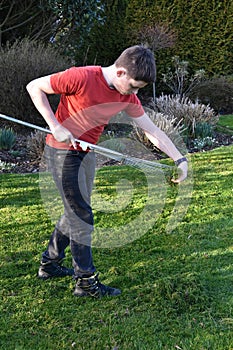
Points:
[[62, 134]]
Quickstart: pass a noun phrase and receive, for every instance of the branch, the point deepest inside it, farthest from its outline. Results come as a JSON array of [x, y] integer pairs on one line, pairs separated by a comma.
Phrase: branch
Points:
[[157, 36], [8, 14], [19, 24]]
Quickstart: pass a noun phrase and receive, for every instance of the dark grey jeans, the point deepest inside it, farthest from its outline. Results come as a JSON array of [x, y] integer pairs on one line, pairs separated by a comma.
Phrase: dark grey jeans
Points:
[[73, 173]]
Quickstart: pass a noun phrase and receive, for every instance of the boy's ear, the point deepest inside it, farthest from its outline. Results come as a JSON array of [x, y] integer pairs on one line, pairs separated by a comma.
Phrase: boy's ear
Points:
[[120, 72]]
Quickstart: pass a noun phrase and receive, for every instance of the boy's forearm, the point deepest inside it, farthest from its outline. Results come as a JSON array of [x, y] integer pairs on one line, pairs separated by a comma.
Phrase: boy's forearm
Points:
[[158, 137], [164, 143], [41, 102]]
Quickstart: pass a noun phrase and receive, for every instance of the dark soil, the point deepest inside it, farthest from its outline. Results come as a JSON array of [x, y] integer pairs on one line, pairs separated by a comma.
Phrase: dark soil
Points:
[[18, 159]]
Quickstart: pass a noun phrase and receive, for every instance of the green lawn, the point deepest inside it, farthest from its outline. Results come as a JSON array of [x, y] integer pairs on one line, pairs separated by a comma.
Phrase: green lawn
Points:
[[226, 123], [177, 288]]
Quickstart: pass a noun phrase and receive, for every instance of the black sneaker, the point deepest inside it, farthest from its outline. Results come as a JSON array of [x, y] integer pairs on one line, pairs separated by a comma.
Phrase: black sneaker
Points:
[[53, 269], [91, 286]]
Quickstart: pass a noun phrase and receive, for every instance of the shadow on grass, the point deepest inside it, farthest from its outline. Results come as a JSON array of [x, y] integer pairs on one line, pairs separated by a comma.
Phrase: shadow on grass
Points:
[[18, 193], [176, 288]]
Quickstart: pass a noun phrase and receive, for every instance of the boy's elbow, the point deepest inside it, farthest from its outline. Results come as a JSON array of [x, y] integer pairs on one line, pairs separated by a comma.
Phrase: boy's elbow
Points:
[[33, 89], [39, 86], [29, 87]]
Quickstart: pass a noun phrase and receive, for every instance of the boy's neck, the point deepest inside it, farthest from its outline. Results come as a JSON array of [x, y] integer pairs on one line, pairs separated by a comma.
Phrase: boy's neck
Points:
[[109, 73]]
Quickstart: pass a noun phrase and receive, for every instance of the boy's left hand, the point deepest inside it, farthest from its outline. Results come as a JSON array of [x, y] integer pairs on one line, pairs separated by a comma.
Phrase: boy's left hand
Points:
[[183, 173]]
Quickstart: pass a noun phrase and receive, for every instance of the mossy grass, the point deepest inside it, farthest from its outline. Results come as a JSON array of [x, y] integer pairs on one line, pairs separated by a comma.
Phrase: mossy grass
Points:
[[176, 287]]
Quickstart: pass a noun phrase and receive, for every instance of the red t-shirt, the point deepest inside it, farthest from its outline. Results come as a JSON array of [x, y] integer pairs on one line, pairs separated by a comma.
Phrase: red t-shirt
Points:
[[87, 103]]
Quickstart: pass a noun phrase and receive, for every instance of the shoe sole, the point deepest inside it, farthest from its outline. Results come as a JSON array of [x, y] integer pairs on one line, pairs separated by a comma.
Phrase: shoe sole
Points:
[[46, 277], [84, 294]]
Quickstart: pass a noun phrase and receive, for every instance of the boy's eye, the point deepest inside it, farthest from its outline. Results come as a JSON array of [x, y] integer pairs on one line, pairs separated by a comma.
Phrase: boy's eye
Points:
[[133, 87]]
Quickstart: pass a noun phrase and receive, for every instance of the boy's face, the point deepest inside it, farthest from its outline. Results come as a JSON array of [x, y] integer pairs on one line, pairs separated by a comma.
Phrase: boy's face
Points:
[[125, 85]]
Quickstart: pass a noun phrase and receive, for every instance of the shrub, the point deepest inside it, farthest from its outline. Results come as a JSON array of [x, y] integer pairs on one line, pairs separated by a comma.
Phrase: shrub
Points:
[[179, 80], [35, 146], [186, 112], [20, 63], [7, 139], [217, 92], [168, 124], [203, 136], [203, 130]]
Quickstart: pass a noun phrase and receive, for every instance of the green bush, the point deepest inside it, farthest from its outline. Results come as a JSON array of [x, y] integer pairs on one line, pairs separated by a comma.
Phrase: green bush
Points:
[[203, 130], [217, 92], [7, 139], [20, 63]]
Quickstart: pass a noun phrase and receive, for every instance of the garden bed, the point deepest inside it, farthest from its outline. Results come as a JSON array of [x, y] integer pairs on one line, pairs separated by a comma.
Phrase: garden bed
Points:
[[18, 159]]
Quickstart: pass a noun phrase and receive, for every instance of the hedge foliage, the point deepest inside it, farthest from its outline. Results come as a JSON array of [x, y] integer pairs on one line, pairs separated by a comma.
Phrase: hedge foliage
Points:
[[106, 39], [204, 30]]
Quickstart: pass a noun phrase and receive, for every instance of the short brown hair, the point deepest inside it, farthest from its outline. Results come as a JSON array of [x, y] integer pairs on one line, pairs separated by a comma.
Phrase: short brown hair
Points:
[[139, 62]]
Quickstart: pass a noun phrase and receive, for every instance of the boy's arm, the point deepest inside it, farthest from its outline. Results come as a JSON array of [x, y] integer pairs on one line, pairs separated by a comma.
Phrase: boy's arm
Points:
[[38, 90], [163, 142]]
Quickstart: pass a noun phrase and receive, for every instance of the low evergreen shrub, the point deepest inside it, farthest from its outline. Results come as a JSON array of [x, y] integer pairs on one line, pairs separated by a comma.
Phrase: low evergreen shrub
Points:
[[7, 138], [217, 92], [203, 130]]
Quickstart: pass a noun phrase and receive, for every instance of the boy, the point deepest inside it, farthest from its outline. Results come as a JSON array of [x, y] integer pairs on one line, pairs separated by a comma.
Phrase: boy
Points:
[[90, 96]]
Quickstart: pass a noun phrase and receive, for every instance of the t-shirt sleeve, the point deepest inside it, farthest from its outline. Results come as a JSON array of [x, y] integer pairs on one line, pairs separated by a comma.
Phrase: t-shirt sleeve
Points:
[[134, 109], [68, 81]]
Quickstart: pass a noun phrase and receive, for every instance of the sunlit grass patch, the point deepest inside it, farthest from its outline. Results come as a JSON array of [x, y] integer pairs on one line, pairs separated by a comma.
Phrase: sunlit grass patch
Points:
[[176, 287]]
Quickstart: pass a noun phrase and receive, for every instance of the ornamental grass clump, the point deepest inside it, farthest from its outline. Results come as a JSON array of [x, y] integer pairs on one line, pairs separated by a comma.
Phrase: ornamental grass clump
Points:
[[188, 113], [170, 125], [7, 139]]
